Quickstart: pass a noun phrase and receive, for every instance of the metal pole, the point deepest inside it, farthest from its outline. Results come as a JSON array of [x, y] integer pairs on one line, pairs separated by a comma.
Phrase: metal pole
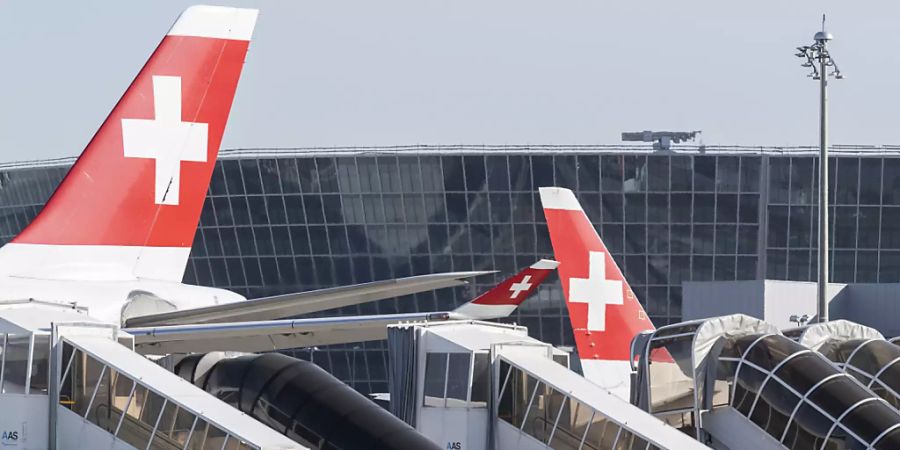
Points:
[[823, 186], [818, 59]]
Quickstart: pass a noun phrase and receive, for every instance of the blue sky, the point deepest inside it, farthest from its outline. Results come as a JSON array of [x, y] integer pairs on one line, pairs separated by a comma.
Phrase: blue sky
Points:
[[396, 72]]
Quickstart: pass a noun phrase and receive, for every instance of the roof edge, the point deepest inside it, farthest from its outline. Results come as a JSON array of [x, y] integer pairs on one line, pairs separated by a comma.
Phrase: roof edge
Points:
[[421, 149]]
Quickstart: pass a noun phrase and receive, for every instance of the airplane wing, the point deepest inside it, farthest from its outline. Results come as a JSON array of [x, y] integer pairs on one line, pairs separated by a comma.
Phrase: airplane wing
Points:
[[289, 305], [269, 335]]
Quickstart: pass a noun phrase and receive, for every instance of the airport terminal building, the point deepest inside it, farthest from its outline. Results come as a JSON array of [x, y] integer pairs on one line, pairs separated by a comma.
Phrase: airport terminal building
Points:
[[286, 220]]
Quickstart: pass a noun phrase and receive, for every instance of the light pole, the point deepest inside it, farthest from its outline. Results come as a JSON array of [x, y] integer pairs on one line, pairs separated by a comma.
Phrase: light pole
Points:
[[819, 60]]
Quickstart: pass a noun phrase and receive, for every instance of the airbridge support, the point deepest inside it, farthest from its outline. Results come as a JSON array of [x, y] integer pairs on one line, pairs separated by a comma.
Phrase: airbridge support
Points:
[[478, 385]]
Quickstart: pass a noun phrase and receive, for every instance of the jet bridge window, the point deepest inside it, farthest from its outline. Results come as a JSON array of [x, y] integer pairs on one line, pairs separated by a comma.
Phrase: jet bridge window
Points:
[[14, 363], [24, 362], [435, 378], [481, 378], [458, 378], [449, 379], [40, 364]]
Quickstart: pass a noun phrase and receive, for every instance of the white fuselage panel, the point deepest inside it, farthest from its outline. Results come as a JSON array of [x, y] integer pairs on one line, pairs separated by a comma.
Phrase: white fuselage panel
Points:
[[614, 376], [105, 300]]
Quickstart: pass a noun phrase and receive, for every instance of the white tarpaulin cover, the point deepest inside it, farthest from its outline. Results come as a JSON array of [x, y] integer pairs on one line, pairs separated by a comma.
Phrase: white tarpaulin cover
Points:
[[728, 327], [718, 328], [817, 335]]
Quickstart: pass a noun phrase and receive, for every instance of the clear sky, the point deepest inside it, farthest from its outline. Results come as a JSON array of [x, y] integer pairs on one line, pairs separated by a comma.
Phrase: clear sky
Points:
[[395, 72]]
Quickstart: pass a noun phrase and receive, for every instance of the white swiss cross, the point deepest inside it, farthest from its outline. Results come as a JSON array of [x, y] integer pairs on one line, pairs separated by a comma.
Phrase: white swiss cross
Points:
[[523, 285], [596, 291], [166, 139]]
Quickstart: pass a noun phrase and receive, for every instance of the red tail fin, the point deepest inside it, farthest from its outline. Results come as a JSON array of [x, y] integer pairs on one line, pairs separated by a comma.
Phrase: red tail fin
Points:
[[142, 179], [604, 311], [504, 298]]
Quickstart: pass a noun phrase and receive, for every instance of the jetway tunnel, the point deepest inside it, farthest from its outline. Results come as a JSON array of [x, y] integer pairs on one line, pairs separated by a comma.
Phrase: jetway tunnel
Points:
[[300, 400], [737, 382], [859, 351]]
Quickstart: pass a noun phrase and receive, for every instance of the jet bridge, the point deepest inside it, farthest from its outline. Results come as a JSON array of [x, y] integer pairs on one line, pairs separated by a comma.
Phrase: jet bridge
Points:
[[300, 400], [736, 382], [859, 351], [107, 387], [67, 381], [478, 385]]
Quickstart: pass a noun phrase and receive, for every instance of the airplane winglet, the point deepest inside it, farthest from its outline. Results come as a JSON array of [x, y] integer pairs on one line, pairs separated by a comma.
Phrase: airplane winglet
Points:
[[559, 198], [504, 298], [219, 22]]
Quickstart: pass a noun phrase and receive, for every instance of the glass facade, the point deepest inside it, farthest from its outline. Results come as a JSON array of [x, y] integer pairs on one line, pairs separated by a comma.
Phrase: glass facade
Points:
[[289, 220], [864, 194]]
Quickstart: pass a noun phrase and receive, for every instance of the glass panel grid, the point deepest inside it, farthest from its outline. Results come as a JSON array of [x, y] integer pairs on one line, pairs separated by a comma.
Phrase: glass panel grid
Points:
[[382, 213]]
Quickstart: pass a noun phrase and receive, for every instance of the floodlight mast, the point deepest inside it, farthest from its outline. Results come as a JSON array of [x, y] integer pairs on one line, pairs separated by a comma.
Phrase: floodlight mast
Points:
[[819, 60]]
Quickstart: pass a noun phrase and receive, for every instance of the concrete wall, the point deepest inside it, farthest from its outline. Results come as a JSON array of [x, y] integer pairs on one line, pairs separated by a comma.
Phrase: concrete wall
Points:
[[874, 305], [786, 298], [702, 299], [774, 301]]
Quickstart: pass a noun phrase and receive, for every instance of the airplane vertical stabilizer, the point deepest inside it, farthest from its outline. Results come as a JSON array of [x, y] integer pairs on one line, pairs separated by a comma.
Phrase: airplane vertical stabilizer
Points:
[[130, 205], [604, 311]]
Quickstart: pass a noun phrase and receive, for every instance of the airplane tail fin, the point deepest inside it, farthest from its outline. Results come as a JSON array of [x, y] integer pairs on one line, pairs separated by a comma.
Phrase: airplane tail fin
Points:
[[505, 297], [604, 311], [130, 205]]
